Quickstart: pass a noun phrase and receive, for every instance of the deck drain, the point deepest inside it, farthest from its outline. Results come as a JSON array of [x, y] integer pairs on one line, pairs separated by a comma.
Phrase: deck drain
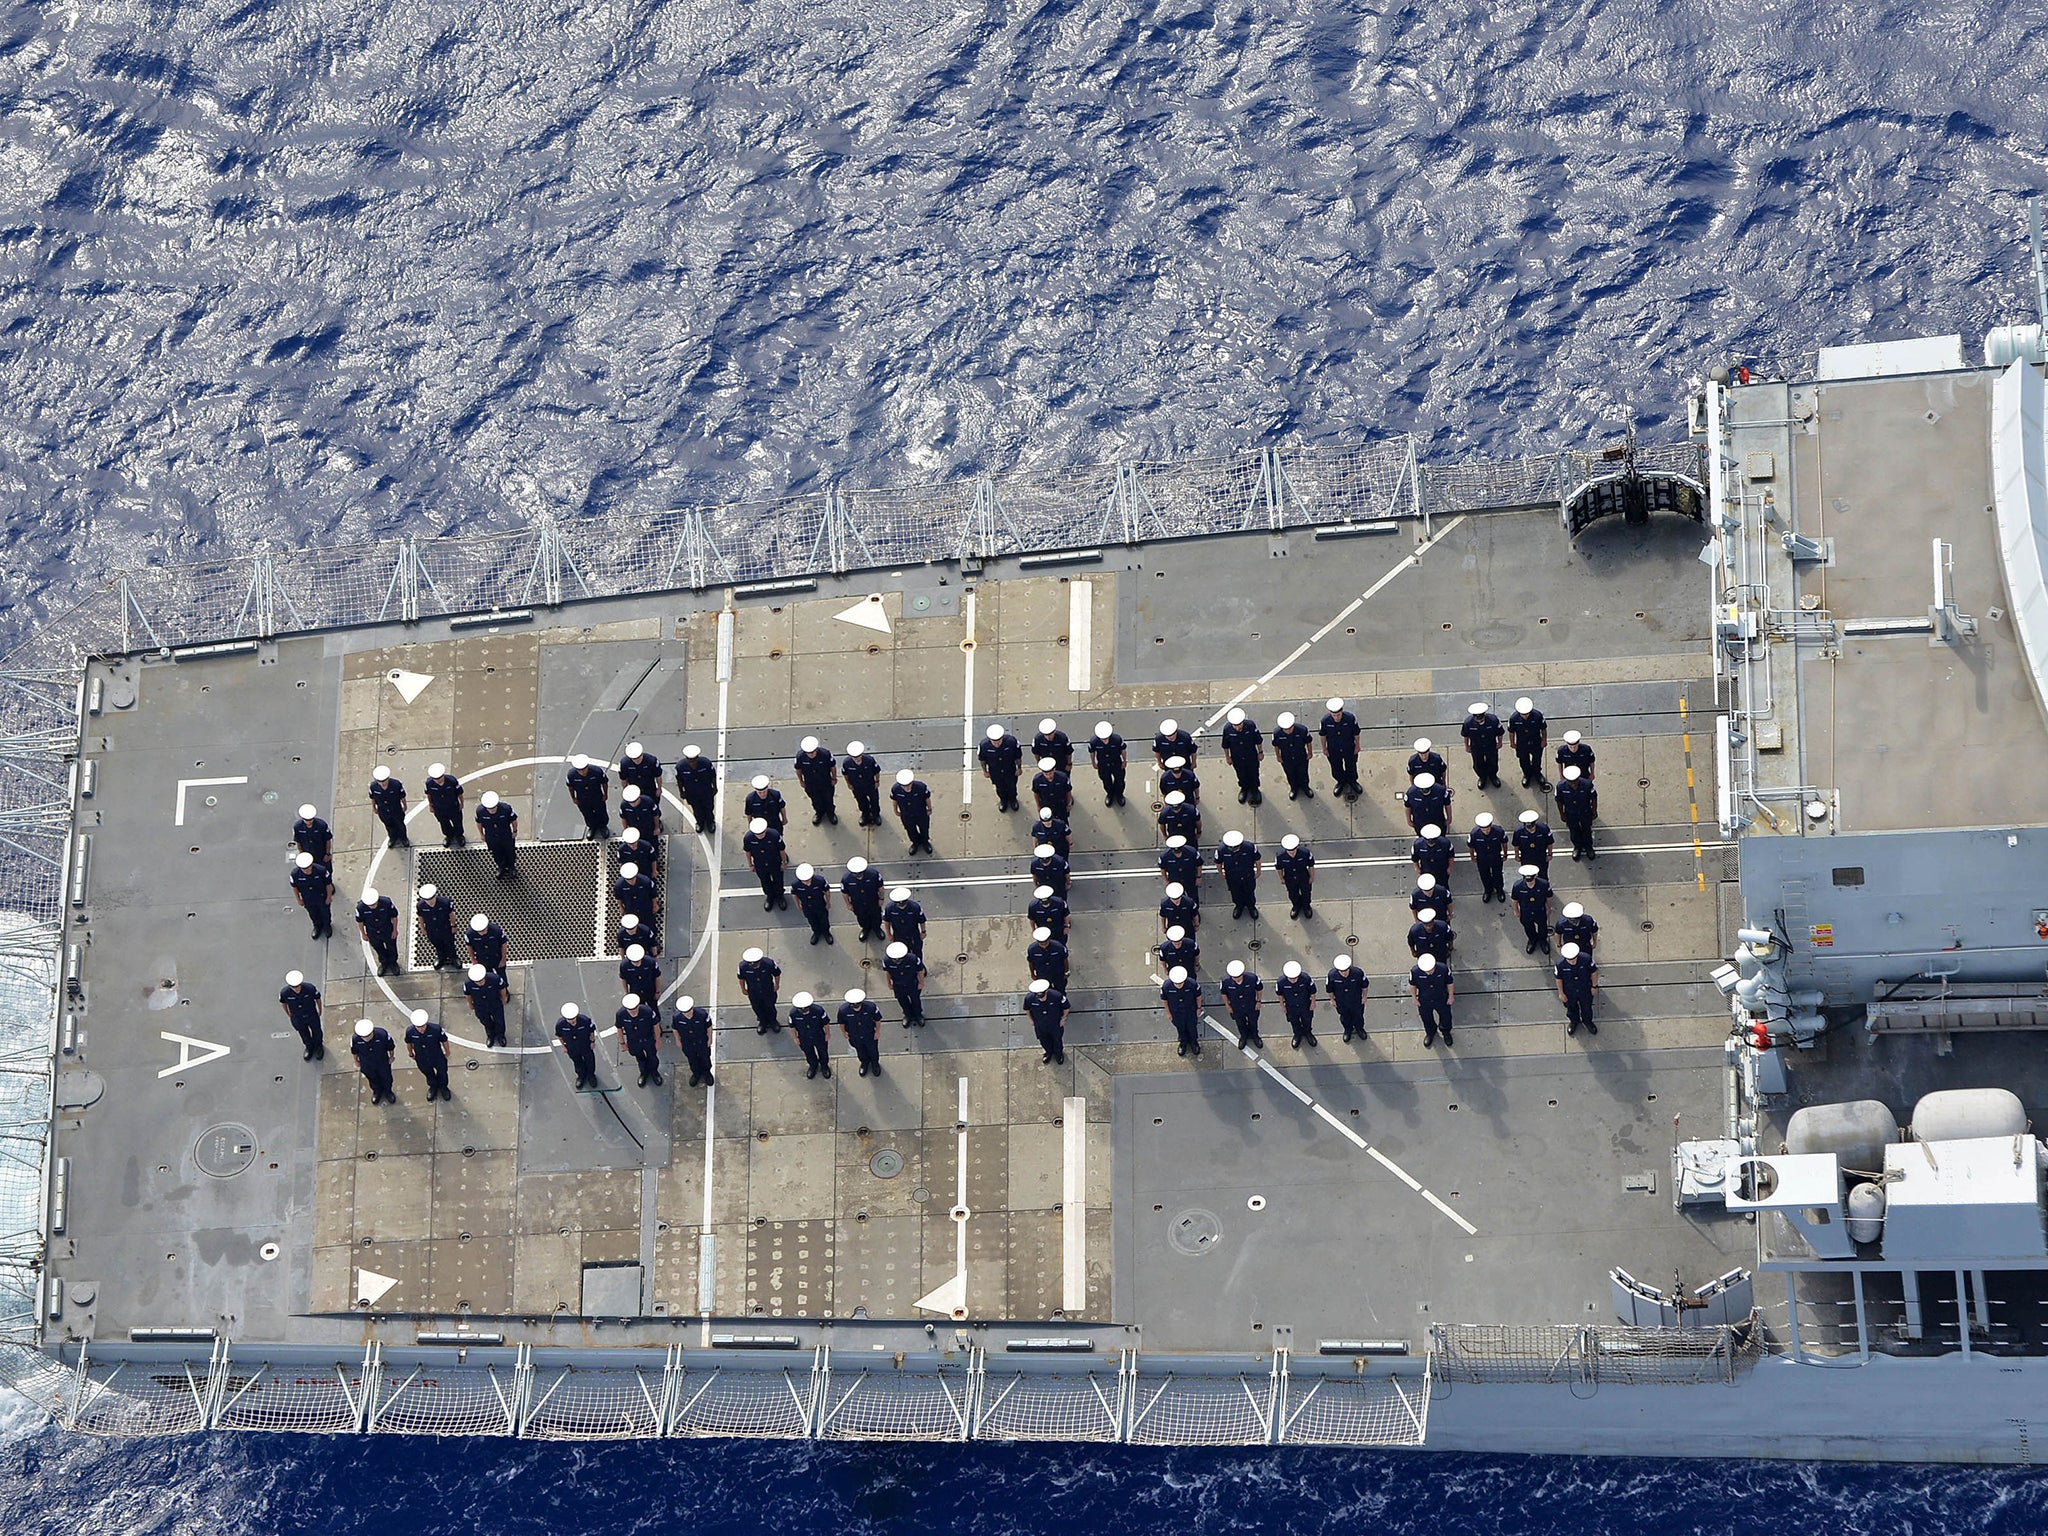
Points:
[[223, 1151], [886, 1164], [1194, 1232]]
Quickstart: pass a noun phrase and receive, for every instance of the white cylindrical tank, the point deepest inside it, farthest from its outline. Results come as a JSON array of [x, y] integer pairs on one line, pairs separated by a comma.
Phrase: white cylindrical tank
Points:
[[1856, 1132], [1965, 1114], [1866, 1213], [2006, 344]]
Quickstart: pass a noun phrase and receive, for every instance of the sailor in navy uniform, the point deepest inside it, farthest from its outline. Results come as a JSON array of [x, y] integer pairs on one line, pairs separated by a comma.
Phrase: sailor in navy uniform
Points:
[[427, 1043], [1180, 949], [1241, 989], [904, 967], [1243, 747], [1482, 731], [1182, 995], [577, 1036], [300, 1000], [639, 1026], [1180, 817], [1578, 983], [1048, 868], [1048, 1008], [692, 1025], [862, 1020], [697, 783], [1180, 863], [437, 921], [1000, 754], [863, 775], [1426, 759], [499, 824], [1296, 862], [1054, 743], [641, 769], [861, 885], [1348, 986], [1428, 801], [1529, 732], [1178, 776], [1178, 909], [640, 811], [487, 993], [1574, 926], [812, 1027], [1052, 788], [444, 799], [639, 972], [1488, 843], [1294, 744], [1298, 998], [387, 799], [1170, 741], [761, 979], [813, 895], [1575, 752], [636, 893], [377, 917], [1433, 854], [912, 798], [313, 885], [1049, 909], [818, 772], [1110, 755], [904, 918], [312, 834], [373, 1049], [763, 849], [1531, 896], [1339, 731], [1429, 983], [1238, 858], [1046, 958], [486, 942], [590, 788], [1534, 841], [1578, 802], [764, 802]]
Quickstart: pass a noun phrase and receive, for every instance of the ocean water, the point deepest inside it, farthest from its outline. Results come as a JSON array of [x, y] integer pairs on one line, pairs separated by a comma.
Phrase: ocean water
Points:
[[300, 271]]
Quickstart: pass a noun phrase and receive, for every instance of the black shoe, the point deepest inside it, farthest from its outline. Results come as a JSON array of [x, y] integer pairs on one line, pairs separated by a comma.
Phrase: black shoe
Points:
[[817, 937], [1237, 911], [826, 1070], [768, 904], [1240, 797], [1428, 1038], [863, 1069], [1447, 1038], [1546, 946], [1257, 798], [830, 940], [1255, 913], [1046, 1059], [1183, 1050], [1570, 1029], [812, 1073], [1196, 1048], [309, 1055], [1060, 1060], [1592, 1028], [1530, 949]]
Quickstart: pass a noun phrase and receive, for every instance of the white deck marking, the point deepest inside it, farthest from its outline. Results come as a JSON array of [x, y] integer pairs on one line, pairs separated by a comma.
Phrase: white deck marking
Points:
[[1337, 1125], [707, 1244], [868, 613], [372, 1287], [967, 649], [184, 784], [1074, 1207], [1080, 635], [1407, 562], [410, 685], [187, 1045], [950, 1297]]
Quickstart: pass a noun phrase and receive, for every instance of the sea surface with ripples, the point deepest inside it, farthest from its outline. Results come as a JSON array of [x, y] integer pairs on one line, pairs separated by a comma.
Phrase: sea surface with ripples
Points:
[[297, 271]]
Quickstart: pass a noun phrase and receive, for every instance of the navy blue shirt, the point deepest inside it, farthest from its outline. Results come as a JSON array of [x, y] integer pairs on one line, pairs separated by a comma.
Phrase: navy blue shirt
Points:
[[1348, 989], [1298, 995], [1241, 742], [1046, 1008], [1528, 730], [1340, 733], [1241, 994], [1431, 986]]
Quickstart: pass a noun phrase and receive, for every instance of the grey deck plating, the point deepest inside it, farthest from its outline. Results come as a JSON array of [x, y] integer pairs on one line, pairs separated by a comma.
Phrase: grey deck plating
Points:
[[521, 1200]]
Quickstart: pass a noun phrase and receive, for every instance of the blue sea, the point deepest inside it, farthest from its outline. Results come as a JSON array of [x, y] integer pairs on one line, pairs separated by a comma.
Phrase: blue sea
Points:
[[304, 271]]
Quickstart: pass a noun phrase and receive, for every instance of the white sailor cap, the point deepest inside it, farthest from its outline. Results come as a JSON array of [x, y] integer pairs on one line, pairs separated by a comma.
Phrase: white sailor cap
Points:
[[570, 1010], [758, 824], [1342, 963], [381, 773], [1040, 984], [308, 812], [1177, 975], [855, 995], [801, 1000], [804, 871], [759, 781], [687, 1004], [1169, 727], [1523, 706], [1290, 842], [1334, 706], [856, 748], [1176, 762], [1529, 871], [634, 749], [1231, 839], [1104, 730], [1176, 841], [1425, 781], [1040, 935], [365, 1029], [630, 794], [419, 1015], [295, 978], [1043, 851], [372, 895], [1175, 797], [490, 800], [479, 923], [1047, 764], [1047, 726], [1571, 772], [1425, 962], [1529, 818], [1423, 744], [751, 955], [1285, 720], [629, 871], [900, 893], [630, 1001], [997, 732], [1175, 890], [808, 744], [1432, 831], [856, 865], [1042, 893], [1235, 968], [636, 952], [897, 950], [1291, 969], [304, 861], [1483, 819], [1426, 915], [1476, 709], [579, 760], [1574, 909], [478, 973], [436, 770], [629, 924], [1572, 738], [1045, 813], [905, 777], [1425, 882], [1235, 717], [429, 892], [693, 750], [1569, 952], [1176, 933]]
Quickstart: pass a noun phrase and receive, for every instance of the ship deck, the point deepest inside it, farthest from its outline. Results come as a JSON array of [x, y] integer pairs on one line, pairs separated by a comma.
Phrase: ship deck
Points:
[[1226, 1204]]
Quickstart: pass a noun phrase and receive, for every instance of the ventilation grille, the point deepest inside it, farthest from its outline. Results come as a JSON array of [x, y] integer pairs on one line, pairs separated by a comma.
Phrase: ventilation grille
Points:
[[551, 912]]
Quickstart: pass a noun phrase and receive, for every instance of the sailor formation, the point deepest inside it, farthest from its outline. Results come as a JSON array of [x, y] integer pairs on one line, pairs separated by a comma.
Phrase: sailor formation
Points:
[[894, 919]]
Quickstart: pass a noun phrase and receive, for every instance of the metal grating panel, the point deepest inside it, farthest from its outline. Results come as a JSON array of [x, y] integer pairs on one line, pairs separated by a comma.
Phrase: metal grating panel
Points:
[[548, 913]]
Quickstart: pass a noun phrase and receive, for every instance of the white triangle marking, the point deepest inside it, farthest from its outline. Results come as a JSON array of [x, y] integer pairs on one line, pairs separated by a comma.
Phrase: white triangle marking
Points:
[[948, 1298], [185, 1045], [410, 685], [868, 613], [371, 1286]]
